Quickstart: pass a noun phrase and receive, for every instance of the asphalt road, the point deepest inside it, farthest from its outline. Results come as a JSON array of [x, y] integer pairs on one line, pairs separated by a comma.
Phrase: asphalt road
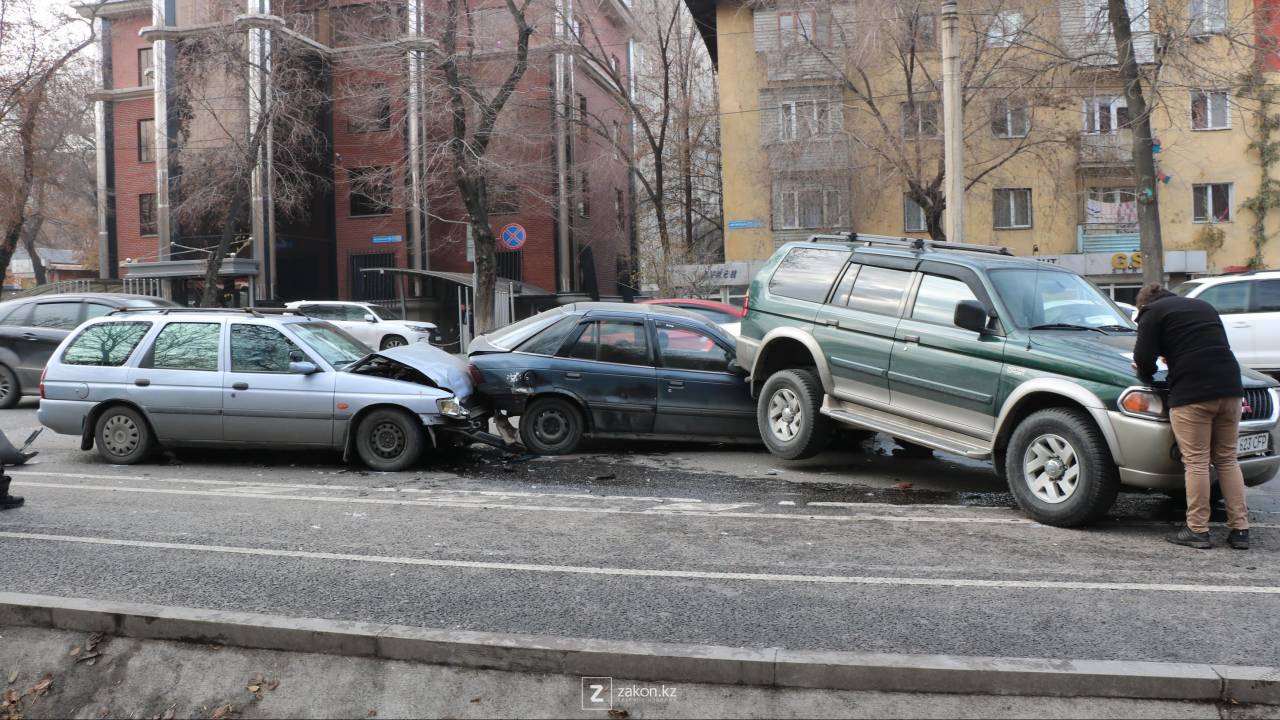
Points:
[[857, 549]]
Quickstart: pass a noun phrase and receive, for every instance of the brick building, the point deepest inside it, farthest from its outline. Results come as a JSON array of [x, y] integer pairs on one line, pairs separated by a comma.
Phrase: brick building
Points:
[[572, 199]]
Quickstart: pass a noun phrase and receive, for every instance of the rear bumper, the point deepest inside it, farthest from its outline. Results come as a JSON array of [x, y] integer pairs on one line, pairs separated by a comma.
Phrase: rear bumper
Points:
[[1151, 459], [65, 417]]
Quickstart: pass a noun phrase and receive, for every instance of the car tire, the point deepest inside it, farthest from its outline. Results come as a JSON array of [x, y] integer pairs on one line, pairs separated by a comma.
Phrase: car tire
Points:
[[389, 440], [1059, 468], [10, 388], [391, 341], [123, 436], [788, 415], [551, 426]]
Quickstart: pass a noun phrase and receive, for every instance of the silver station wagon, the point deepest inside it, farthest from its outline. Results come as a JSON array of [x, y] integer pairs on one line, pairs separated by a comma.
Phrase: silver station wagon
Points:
[[138, 380]]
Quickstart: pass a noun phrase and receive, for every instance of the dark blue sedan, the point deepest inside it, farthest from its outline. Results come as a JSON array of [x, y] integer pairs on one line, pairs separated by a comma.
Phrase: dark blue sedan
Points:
[[612, 370]]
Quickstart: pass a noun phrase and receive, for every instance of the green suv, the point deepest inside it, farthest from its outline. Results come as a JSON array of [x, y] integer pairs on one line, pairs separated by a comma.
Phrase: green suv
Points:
[[969, 350]]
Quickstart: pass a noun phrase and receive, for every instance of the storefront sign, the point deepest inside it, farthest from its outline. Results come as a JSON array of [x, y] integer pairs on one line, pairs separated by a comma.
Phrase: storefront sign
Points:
[[1093, 264]]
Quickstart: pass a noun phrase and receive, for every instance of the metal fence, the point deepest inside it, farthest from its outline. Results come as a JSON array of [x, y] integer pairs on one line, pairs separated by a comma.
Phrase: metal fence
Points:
[[144, 286]]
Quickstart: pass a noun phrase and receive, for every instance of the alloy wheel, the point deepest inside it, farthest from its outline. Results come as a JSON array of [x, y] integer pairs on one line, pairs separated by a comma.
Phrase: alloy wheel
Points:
[[121, 435], [785, 414], [393, 342], [1051, 468]]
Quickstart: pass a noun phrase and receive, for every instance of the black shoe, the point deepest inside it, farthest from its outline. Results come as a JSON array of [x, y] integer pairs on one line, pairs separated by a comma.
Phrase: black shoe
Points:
[[1238, 539], [1185, 536], [9, 502]]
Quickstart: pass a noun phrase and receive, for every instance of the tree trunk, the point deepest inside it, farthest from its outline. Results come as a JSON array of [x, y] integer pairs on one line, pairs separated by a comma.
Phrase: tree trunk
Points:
[[29, 235], [1143, 158], [210, 296], [474, 190], [29, 108]]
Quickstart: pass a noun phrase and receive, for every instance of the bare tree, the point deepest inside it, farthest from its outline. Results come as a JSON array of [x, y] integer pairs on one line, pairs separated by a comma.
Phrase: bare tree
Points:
[[33, 57]]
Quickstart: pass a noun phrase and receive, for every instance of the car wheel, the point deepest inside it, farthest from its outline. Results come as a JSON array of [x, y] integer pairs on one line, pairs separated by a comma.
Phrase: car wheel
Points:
[[1060, 469], [123, 436], [551, 426], [788, 415], [10, 390], [389, 440], [391, 341]]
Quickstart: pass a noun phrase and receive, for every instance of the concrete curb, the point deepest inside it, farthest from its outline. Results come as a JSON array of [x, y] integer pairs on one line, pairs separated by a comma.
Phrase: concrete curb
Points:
[[654, 661]]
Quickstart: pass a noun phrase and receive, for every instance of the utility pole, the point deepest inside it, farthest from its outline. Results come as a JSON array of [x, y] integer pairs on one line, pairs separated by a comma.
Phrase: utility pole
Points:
[[952, 123]]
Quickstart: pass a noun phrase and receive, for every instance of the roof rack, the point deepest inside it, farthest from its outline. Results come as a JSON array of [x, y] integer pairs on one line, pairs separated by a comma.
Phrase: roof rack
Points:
[[912, 243], [254, 311]]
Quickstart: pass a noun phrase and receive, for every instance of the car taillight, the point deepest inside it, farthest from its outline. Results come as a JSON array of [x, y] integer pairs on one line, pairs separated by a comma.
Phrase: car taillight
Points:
[[476, 376], [43, 373]]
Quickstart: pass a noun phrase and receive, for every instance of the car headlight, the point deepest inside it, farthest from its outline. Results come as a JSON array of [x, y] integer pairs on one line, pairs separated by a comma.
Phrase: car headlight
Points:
[[1144, 403], [421, 328], [450, 407]]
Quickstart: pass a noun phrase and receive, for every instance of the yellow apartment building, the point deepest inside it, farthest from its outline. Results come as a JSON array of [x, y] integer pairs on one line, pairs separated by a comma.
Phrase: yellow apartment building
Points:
[[830, 110]]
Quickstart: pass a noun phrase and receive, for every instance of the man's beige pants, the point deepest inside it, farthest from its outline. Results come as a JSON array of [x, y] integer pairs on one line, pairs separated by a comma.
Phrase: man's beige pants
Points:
[[1207, 433]]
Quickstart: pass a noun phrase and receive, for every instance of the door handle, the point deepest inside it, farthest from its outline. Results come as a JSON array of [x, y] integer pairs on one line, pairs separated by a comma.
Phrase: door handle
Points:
[[675, 383], [829, 322], [573, 375], [142, 382], [1241, 323], [240, 386], [29, 336], [911, 338]]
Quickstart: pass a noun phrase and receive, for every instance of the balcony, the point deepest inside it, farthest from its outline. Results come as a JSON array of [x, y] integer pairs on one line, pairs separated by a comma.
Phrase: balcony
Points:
[[1107, 238], [1106, 150]]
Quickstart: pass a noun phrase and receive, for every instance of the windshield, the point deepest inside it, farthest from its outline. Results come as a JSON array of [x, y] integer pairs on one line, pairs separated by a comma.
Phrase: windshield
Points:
[[335, 346], [1036, 298], [385, 313]]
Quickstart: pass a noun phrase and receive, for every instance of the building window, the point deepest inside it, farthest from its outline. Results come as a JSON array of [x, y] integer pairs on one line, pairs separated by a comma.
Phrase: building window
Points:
[[1011, 118], [924, 28], [147, 140], [147, 214], [913, 218], [617, 140], [1211, 202], [1208, 16], [504, 198], [1004, 29], [799, 119], [923, 119], [584, 196], [1209, 110], [797, 28], [810, 208], [1112, 206], [369, 109], [370, 191], [1105, 114], [1011, 208], [146, 70], [620, 208]]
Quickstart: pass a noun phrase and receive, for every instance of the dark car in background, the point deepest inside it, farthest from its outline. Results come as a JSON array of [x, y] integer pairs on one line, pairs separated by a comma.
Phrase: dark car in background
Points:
[[612, 370], [32, 328]]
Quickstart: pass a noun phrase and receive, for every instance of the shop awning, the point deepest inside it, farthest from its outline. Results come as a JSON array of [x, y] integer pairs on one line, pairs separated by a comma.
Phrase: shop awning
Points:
[[231, 267]]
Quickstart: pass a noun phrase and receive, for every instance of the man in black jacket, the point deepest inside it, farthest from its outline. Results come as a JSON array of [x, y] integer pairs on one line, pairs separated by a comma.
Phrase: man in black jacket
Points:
[[1205, 401]]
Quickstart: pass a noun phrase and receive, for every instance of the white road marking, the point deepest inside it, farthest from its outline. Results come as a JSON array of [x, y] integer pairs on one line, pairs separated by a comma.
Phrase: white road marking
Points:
[[363, 488], [911, 505], [654, 573], [471, 503]]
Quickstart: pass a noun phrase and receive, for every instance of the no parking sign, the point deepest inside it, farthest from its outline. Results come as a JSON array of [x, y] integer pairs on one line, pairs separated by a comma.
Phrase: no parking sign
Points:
[[512, 236]]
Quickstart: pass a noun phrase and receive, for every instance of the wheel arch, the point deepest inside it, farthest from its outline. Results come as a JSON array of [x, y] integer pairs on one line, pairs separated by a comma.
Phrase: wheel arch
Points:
[[91, 420], [784, 348], [1036, 395]]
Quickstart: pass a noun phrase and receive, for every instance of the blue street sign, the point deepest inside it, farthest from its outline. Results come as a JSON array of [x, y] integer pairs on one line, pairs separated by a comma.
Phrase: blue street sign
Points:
[[382, 239], [513, 236], [745, 224]]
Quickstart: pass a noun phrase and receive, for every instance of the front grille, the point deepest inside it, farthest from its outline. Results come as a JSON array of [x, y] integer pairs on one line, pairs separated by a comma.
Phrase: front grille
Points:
[[1257, 404]]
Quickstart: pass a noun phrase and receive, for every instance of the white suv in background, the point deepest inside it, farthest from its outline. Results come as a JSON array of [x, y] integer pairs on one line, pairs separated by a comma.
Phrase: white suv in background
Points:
[[1249, 304], [375, 326]]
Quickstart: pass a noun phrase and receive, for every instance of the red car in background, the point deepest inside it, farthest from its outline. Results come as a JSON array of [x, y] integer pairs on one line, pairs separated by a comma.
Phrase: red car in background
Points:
[[717, 312]]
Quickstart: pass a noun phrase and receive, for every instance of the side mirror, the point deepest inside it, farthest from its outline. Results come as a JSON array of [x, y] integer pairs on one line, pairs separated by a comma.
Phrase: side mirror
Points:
[[369, 317], [971, 315], [305, 367], [737, 369]]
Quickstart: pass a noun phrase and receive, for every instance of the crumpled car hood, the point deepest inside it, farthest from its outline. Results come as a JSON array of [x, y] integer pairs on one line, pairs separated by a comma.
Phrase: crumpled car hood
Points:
[[445, 370]]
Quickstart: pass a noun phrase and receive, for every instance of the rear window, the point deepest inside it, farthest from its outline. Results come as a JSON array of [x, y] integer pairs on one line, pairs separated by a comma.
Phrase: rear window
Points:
[[807, 273], [107, 344], [548, 341], [514, 334]]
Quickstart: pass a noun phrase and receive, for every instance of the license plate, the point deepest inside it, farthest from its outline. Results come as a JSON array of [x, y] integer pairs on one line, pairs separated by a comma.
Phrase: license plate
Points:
[[1253, 444]]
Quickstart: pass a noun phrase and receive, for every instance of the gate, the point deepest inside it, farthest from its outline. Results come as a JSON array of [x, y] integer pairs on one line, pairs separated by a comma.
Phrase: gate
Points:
[[373, 287]]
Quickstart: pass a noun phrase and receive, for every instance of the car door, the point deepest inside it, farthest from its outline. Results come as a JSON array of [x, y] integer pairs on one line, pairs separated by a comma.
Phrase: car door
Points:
[[609, 366], [179, 382], [939, 372], [856, 327], [1232, 301], [1265, 304], [698, 394], [264, 403], [45, 328]]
